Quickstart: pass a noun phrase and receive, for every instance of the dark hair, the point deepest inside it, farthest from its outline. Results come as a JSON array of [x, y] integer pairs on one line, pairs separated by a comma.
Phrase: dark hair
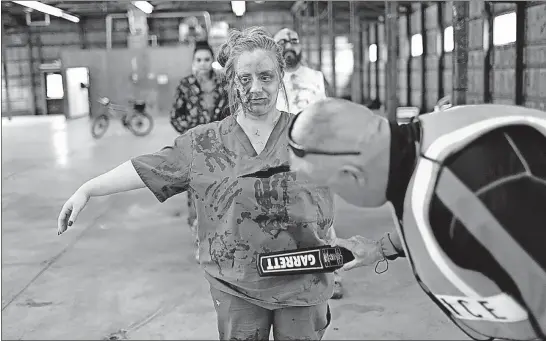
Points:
[[250, 39], [203, 45]]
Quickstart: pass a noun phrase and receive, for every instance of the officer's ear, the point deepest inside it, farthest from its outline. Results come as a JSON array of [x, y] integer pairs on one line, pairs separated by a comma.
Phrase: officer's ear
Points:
[[351, 174]]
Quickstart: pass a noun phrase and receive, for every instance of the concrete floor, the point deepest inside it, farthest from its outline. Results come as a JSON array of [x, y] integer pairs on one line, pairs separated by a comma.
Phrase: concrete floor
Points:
[[126, 268]]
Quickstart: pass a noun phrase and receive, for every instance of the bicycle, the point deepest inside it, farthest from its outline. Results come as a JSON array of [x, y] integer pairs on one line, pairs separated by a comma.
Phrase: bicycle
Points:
[[136, 119]]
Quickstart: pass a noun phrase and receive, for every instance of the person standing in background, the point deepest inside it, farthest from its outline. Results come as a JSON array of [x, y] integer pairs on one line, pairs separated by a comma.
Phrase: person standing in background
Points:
[[200, 99], [304, 86]]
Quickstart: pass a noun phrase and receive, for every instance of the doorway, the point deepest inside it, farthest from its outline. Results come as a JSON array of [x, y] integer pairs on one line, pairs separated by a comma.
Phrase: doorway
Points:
[[54, 92], [77, 86]]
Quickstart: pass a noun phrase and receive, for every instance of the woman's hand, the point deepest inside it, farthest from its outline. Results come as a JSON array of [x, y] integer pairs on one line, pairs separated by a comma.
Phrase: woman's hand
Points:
[[71, 209], [123, 178], [366, 251]]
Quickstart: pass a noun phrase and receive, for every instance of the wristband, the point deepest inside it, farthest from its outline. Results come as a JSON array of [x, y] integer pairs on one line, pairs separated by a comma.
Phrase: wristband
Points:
[[385, 259]]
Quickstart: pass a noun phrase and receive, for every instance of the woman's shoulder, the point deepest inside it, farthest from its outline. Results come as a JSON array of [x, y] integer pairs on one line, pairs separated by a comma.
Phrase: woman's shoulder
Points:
[[221, 127], [188, 80]]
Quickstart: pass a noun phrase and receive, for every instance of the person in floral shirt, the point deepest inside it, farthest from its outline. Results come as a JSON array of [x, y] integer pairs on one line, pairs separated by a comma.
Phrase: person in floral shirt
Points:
[[199, 99]]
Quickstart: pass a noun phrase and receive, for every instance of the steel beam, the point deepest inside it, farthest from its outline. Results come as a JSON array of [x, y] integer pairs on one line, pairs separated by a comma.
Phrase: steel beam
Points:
[[391, 67], [332, 36], [520, 47], [460, 51]]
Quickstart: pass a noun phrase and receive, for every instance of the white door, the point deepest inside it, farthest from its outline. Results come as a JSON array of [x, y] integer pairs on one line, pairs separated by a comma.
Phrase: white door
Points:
[[77, 83]]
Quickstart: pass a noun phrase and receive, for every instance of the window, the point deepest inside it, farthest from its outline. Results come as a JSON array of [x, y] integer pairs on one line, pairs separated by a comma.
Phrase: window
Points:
[[416, 45], [372, 51], [238, 8], [504, 29], [54, 86], [486, 35], [448, 39], [344, 55]]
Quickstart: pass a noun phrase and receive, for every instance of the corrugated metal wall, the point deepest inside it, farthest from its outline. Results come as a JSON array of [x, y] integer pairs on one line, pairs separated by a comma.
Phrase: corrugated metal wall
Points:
[[535, 56], [502, 71]]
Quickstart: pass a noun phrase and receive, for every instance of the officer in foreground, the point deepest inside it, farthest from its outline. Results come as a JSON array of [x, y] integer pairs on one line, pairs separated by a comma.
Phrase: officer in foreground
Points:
[[467, 188]]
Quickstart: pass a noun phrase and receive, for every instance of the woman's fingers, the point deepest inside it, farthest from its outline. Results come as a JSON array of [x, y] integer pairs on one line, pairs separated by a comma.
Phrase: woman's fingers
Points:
[[62, 222]]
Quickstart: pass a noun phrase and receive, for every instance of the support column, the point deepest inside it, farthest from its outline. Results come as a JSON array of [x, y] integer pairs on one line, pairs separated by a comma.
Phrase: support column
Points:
[[363, 53], [319, 33], [5, 73], [369, 63], [41, 108], [520, 46], [307, 30], [356, 78], [32, 69], [408, 65], [460, 51], [332, 36], [488, 52], [424, 59], [391, 34], [441, 51], [377, 62], [81, 27]]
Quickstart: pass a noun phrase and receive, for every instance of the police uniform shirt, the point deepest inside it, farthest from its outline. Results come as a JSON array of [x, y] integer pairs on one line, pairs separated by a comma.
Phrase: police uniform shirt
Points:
[[401, 165]]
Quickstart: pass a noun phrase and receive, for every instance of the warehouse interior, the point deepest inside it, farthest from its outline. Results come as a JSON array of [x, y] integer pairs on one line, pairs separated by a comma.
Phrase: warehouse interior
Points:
[[493, 52], [127, 272]]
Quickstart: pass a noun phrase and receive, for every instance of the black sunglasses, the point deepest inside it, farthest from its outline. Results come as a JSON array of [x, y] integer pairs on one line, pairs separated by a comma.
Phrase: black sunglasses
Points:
[[301, 151]]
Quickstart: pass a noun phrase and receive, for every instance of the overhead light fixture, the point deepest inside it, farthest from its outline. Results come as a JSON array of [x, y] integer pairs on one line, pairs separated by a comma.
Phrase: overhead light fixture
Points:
[[70, 17], [238, 7], [144, 6], [47, 9]]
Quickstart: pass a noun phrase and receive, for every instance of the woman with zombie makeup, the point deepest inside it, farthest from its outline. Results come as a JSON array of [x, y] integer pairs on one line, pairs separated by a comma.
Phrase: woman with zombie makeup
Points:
[[248, 201]]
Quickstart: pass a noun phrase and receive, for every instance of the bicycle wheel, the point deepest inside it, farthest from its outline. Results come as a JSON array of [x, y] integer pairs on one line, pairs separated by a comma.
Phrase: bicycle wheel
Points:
[[99, 126], [141, 124]]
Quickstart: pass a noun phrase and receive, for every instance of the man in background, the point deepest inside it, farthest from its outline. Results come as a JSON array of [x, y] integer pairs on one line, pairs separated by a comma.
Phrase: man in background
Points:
[[304, 86]]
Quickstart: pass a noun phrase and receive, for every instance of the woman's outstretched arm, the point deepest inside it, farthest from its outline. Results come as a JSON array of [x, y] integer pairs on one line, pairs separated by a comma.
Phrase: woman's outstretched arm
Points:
[[123, 178]]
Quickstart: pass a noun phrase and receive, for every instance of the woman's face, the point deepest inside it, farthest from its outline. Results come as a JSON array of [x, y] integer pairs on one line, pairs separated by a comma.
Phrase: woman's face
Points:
[[202, 62], [257, 82]]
